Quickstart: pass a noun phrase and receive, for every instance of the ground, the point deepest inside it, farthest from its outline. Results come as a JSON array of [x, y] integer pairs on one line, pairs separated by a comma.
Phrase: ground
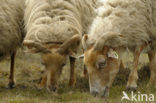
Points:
[[28, 73]]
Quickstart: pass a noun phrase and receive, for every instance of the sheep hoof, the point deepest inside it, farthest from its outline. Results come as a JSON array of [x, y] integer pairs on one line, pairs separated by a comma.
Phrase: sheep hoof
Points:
[[51, 89], [11, 85], [131, 89]]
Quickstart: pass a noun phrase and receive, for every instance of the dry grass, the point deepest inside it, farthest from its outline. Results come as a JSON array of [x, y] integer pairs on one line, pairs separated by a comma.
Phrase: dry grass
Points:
[[28, 74]]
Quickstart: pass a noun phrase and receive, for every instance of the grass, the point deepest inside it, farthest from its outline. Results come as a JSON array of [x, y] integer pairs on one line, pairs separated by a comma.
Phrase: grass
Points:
[[28, 73]]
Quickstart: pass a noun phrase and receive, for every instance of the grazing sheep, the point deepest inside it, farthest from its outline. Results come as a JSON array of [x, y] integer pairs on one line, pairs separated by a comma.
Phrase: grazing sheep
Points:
[[119, 24], [11, 31], [54, 28]]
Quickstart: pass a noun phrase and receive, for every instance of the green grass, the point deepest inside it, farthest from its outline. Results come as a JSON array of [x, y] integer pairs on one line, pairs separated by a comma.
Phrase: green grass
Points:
[[28, 73]]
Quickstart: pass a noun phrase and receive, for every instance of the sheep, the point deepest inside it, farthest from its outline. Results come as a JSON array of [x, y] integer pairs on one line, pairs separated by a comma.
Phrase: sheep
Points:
[[12, 31], [54, 28], [119, 24]]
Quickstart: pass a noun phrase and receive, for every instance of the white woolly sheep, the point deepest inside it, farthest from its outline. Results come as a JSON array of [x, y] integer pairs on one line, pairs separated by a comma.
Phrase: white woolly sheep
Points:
[[11, 31], [54, 28], [119, 24]]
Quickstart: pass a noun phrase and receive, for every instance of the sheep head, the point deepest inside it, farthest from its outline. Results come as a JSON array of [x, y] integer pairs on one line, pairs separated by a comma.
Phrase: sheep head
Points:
[[102, 62], [54, 56]]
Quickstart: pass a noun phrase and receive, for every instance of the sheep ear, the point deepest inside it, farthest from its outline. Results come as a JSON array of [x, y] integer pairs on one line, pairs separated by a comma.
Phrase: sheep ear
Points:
[[70, 46], [113, 54]]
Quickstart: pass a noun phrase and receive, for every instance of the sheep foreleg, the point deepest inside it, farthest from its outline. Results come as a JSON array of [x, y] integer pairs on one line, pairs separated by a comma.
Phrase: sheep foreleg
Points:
[[133, 77], [72, 80], [152, 64], [11, 76]]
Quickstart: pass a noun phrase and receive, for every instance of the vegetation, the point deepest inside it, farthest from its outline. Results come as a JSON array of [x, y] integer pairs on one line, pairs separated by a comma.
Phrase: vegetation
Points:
[[28, 74]]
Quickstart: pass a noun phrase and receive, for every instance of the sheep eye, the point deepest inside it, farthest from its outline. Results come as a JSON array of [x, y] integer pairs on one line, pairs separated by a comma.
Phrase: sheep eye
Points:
[[101, 65]]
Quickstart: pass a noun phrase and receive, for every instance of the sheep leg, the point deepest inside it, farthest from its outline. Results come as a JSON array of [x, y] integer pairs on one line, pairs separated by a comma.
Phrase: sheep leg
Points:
[[133, 77], [85, 72], [122, 65], [11, 76], [51, 86], [152, 64], [43, 81], [72, 80]]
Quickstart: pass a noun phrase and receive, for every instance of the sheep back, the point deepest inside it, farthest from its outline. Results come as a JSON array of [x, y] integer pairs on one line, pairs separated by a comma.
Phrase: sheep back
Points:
[[130, 18], [11, 33], [57, 20]]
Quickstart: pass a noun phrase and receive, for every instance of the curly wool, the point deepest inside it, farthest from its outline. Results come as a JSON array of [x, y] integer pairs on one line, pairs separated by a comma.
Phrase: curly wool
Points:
[[131, 18], [57, 20]]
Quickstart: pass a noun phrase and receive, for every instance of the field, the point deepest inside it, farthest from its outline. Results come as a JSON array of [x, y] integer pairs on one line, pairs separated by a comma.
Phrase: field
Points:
[[28, 73]]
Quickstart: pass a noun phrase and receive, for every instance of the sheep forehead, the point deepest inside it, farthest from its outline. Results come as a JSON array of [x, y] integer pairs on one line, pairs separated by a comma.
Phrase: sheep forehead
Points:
[[53, 58], [91, 56]]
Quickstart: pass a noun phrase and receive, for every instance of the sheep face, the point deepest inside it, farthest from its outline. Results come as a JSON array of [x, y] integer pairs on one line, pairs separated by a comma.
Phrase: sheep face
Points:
[[102, 66], [54, 57], [53, 63], [102, 59]]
